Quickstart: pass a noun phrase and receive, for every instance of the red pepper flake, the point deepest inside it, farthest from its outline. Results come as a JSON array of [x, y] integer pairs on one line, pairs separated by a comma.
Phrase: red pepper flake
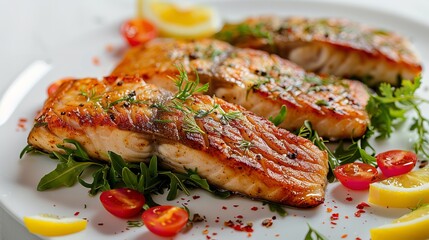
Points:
[[235, 205], [224, 208], [109, 48], [239, 216], [239, 227], [362, 205], [96, 61], [254, 209], [349, 199], [21, 124], [195, 197], [359, 212], [358, 238], [344, 236], [100, 224], [208, 237], [329, 210], [76, 213], [335, 216], [346, 217], [333, 223], [205, 231]]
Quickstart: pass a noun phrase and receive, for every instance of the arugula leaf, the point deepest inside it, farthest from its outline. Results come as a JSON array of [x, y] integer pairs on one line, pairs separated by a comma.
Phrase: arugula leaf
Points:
[[306, 131], [356, 150], [277, 208], [280, 117], [313, 233], [100, 181], [65, 174]]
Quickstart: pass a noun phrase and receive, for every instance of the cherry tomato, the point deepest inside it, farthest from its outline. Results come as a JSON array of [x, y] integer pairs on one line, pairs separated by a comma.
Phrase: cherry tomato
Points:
[[396, 162], [122, 202], [137, 31], [356, 176], [165, 221]]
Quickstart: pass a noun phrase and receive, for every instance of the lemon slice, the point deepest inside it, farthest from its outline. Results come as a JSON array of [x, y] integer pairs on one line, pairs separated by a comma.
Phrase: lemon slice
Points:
[[50, 225], [182, 21], [403, 191], [413, 226]]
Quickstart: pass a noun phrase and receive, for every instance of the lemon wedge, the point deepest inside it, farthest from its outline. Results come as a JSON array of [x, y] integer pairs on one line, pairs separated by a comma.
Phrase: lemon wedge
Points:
[[181, 21], [413, 225], [403, 191], [51, 225]]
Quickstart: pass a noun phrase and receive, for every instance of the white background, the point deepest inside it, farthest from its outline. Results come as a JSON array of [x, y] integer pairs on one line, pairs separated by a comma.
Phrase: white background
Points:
[[29, 29]]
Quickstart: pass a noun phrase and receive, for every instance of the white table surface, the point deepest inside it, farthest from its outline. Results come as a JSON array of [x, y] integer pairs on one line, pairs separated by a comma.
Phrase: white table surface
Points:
[[27, 35]]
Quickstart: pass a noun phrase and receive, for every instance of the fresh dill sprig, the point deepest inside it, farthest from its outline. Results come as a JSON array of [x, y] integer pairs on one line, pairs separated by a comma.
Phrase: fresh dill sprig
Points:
[[190, 125], [187, 88], [91, 96], [245, 145]]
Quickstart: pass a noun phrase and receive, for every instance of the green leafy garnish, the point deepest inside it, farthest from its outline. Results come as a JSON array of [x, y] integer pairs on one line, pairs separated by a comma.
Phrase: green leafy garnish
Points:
[[145, 178], [390, 107], [312, 234], [245, 30], [307, 131], [280, 117], [187, 88], [277, 208]]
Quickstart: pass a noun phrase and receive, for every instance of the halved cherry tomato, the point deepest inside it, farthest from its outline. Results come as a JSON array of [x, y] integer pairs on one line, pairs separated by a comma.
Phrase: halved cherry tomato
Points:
[[165, 221], [138, 30], [122, 202], [396, 162], [356, 176]]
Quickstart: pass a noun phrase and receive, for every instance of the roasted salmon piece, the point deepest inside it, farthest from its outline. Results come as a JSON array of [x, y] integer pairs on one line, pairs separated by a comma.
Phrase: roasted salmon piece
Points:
[[260, 82], [232, 148], [330, 46]]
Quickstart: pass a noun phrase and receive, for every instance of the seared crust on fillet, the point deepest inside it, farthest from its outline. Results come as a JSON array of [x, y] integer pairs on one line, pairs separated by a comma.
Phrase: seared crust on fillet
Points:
[[232, 148], [258, 81], [330, 46]]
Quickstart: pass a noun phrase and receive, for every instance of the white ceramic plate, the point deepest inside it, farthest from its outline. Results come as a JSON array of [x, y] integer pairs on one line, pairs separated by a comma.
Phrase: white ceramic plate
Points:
[[19, 177]]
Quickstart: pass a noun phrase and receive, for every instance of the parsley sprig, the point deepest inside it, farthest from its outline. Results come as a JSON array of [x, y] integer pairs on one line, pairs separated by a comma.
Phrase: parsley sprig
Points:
[[390, 107]]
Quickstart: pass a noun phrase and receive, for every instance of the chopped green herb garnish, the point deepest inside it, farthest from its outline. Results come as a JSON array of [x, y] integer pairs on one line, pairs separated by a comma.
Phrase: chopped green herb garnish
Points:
[[312, 234], [280, 117], [187, 88]]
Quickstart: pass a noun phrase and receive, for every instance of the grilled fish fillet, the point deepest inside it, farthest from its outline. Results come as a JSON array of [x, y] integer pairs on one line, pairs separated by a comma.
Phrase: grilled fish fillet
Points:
[[330, 46], [232, 148], [258, 81]]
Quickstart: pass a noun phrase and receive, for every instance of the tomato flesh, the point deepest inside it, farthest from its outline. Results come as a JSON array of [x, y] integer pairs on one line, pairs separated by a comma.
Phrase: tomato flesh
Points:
[[356, 176], [396, 162], [165, 221], [122, 202], [138, 31]]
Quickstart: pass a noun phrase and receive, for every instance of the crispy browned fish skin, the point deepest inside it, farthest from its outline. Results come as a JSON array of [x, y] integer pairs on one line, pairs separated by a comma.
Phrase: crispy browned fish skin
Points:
[[331, 46], [246, 154], [260, 82]]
